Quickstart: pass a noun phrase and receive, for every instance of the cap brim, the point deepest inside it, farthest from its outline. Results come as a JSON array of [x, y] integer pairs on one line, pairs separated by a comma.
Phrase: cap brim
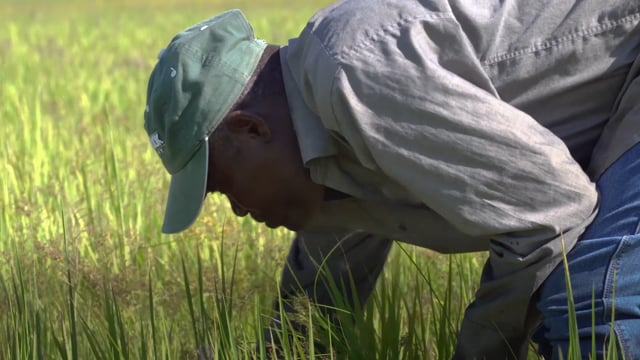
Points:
[[186, 192]]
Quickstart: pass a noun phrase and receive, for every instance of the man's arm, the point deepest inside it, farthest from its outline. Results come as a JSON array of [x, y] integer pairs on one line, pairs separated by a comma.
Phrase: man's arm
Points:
[[413, 103], [485, 167], [321, 260]]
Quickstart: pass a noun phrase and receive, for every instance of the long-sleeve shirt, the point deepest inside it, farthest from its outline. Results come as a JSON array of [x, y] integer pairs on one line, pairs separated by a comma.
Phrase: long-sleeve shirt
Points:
[[466, 126]]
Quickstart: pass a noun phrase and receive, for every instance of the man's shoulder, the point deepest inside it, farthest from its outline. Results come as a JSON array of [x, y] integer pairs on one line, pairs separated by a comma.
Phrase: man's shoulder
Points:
[[351, 24]]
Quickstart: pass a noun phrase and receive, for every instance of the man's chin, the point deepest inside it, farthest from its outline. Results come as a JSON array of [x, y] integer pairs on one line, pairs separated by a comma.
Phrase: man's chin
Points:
[[292, 227], [291, 224], [272, 225]]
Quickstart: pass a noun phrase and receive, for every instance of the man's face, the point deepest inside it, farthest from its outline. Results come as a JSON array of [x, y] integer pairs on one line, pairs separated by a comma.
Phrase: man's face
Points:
[[264, 179]]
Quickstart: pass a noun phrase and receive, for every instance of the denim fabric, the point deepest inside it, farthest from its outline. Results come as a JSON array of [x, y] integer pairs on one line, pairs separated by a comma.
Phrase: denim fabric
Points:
[[603, 264]]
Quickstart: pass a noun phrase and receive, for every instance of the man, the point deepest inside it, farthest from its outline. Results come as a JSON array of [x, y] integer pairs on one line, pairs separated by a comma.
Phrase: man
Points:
[[445, 124]]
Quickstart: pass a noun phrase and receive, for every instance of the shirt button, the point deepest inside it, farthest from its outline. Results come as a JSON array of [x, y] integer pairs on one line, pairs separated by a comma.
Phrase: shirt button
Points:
[[402, 227]]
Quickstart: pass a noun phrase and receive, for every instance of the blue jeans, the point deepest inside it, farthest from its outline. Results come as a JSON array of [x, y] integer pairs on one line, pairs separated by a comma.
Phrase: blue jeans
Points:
[[606, 259]]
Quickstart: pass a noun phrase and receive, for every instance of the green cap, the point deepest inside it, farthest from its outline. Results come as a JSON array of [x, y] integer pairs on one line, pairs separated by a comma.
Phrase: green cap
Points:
[[198, 77]]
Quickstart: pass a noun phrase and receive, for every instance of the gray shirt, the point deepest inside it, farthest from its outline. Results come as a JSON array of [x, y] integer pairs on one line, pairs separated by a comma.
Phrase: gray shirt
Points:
[[466, 126]]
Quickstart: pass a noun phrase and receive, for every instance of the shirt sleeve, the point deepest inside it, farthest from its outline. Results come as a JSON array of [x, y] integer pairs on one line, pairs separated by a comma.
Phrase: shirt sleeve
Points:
[[416, 105], [323, 264], [322, 259]]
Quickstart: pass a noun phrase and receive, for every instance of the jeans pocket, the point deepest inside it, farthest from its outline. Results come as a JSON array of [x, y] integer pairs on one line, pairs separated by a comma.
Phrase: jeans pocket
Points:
[[612, 275]]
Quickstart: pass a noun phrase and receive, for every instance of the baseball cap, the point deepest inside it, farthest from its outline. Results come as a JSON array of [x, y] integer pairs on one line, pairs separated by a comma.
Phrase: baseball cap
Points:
[[197, 79]]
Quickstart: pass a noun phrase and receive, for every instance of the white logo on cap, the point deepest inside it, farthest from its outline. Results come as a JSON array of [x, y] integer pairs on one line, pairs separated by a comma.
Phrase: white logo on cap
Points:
[[173, 72], [157, 143]]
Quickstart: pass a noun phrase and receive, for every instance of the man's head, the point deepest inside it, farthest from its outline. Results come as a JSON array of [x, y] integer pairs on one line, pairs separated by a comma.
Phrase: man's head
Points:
[[218, 117]]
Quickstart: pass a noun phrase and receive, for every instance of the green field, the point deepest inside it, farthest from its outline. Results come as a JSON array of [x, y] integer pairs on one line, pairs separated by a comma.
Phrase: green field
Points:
[[85, 271]]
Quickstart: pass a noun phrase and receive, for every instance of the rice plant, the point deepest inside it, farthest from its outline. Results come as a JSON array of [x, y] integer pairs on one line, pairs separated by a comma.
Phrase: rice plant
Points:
[[85, 271]]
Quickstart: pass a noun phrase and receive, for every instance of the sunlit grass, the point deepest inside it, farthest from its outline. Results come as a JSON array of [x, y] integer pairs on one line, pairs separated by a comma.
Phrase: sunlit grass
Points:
[[85, 271]]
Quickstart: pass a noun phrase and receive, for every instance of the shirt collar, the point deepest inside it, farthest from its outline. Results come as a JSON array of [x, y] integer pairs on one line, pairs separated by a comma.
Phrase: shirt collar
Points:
[[313, 138]]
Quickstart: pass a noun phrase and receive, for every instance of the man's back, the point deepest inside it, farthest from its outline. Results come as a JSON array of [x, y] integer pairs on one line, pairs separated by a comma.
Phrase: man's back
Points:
[[562, 62]]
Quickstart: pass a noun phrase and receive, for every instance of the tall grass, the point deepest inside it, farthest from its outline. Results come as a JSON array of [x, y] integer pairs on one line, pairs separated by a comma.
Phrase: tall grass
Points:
[[85, 271]]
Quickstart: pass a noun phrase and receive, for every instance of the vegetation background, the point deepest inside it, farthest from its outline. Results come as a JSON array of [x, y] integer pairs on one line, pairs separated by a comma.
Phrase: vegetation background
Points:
[[85, 272]]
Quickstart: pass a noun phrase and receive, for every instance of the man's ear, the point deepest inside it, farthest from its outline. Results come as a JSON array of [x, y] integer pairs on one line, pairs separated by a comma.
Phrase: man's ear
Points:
[[244, 122]]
